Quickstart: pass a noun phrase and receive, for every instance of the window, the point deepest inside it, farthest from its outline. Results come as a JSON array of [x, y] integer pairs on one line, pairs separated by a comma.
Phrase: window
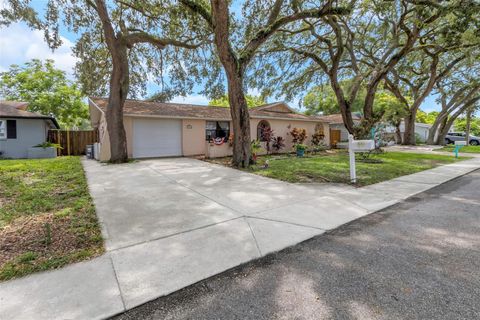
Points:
[[217, 129], [262, 126], [3, 129], [11, 129]]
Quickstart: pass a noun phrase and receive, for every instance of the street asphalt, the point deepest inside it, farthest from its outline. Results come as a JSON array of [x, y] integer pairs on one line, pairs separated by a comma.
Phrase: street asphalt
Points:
[[419, 259]]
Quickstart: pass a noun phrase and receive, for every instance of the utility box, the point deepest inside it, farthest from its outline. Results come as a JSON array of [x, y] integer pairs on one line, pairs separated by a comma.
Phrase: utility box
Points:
[[89, 151]]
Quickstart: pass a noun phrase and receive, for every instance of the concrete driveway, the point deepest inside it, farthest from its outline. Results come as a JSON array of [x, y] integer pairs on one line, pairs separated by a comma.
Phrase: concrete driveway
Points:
[[172, 222], [153, 199]]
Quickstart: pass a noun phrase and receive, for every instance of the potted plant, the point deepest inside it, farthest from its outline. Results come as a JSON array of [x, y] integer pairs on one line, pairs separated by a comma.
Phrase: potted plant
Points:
[[300, 149]]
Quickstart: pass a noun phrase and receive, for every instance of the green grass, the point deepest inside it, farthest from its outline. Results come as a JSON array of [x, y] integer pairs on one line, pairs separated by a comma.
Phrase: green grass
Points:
[[328, 167], [465, 149], [47, 218]]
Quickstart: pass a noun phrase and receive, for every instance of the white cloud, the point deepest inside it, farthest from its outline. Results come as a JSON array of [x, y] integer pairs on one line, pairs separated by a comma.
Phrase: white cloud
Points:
[[19, 44], [191, 99]]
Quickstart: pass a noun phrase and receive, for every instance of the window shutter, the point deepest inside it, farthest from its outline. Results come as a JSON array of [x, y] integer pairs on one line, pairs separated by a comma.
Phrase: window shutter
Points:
[[11, 129]]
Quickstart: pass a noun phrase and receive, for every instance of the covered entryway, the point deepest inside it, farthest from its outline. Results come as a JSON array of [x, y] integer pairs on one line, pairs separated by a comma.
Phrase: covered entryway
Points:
[[157, 138], [335, 137]]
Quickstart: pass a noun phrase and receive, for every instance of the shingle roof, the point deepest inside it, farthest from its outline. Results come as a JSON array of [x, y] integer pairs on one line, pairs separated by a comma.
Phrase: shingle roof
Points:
[[16, 109], [190, 111], [337, 118]]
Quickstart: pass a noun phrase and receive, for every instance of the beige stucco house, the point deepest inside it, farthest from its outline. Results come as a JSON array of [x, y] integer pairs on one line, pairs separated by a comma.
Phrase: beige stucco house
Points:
[[156, 129]]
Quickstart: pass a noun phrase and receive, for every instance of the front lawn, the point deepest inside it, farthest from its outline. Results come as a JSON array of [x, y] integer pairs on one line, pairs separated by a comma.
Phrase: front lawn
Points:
[[465, 149], [47, 218], [334, 167]]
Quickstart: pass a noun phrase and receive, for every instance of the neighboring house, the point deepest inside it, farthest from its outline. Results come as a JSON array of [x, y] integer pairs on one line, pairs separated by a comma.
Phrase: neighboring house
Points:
[[21, 129], [338, 132], [421, 130], [156, 129]]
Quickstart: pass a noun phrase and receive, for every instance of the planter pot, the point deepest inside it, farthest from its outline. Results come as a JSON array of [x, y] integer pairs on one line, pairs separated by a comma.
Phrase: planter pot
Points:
[[300, 152], [41, 153]]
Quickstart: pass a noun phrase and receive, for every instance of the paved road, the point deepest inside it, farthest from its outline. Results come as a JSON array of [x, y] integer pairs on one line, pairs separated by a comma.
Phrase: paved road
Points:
[[417, 260]]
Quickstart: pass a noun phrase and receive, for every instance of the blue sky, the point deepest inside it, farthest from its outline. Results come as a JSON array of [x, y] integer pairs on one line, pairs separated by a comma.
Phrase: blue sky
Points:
[[19, 44]]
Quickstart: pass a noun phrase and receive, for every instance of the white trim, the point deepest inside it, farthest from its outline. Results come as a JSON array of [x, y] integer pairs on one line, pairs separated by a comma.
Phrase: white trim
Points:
[[273, 104], [96, 105], [3, 129], [288, 119]]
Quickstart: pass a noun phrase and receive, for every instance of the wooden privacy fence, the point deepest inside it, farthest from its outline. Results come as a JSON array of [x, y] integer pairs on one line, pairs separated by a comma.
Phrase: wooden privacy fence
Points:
[[73, 142]]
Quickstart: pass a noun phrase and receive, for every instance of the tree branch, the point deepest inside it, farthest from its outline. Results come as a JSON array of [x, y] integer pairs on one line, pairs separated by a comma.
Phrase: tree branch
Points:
[[263, 34], [200, 9], [161, 43]]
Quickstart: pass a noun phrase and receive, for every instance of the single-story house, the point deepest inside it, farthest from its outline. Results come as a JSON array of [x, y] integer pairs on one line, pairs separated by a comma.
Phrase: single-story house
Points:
[[421, 130], [339, 134], [155, 129], [21, 129]]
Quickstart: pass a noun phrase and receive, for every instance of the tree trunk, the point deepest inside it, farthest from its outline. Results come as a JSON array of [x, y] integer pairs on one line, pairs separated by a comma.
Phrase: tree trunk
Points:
[[119, 85], [432, 132], [409, 134], [468, 125], [398, 134], [441, 140], [444, 130], [236, 96], [241, 121]]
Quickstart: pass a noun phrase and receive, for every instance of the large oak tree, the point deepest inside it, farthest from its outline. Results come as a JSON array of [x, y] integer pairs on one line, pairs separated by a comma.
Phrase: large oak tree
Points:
[[359, 49], [116, 37], [238, 38]]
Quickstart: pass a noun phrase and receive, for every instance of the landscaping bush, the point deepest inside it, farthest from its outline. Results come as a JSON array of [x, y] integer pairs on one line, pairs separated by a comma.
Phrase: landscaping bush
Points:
[[255, 148], [298, 135], [418, 139], [278, 143], [267, 137], [47, 144], [317, 138]]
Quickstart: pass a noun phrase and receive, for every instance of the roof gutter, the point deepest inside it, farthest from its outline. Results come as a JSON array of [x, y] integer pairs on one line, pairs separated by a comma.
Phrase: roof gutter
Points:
[[54, 121], [135, 115]]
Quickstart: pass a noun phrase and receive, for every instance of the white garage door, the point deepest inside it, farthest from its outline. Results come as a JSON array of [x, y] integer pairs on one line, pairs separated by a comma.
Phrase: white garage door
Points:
[[157, 138]]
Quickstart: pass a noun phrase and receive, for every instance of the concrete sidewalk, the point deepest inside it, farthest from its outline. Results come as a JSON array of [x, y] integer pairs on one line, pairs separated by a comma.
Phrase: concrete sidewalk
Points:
[[173, 222]]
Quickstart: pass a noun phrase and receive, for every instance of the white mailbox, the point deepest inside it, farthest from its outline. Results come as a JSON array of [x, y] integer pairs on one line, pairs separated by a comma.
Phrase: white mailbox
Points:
[[362, 145], [461, 143], [357, 146]]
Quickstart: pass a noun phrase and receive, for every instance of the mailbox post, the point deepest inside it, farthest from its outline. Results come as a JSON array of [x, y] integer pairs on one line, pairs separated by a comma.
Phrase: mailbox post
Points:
[[357, 146], [351, 154], [458, 145]]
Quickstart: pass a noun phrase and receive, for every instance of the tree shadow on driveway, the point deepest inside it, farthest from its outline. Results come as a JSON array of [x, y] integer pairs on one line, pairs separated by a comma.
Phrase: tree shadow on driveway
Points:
[[418, 259]]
